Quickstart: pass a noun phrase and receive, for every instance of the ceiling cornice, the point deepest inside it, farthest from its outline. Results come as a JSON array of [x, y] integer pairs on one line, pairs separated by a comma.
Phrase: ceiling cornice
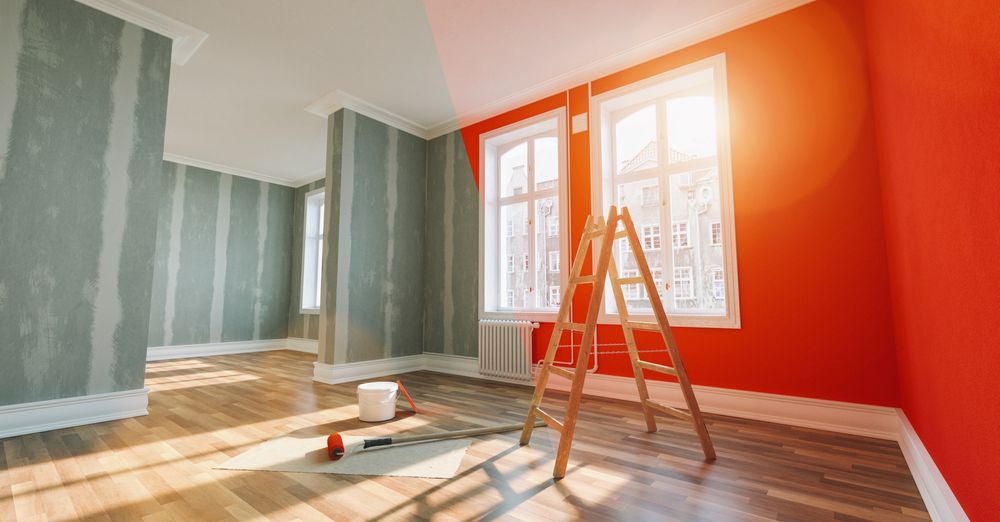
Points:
[[186, 39], [226, 169], [715, 25], [337, 100], [315, 176]]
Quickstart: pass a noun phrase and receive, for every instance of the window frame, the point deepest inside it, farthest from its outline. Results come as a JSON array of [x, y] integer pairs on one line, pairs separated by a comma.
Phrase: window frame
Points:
[[312, 250], [491, 145], [606, 109]]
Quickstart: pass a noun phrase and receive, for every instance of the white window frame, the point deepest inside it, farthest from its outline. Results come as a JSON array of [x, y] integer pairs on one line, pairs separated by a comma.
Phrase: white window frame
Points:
[[554, 267], [650, 201], [712, 280], [555, 295], [638, 95], [313, 210], [715, 229], [688, 278], [490, 144]]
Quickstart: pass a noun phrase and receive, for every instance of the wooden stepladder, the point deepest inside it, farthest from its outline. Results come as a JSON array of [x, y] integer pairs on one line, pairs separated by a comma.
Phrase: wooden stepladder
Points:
[[607, 233]]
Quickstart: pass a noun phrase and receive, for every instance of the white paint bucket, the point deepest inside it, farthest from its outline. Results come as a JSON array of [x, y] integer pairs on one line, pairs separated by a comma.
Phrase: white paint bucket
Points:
[[377, 401]]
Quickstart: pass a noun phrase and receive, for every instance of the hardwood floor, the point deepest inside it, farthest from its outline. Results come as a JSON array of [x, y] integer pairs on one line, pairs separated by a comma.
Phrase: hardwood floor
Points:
[[205, 410]]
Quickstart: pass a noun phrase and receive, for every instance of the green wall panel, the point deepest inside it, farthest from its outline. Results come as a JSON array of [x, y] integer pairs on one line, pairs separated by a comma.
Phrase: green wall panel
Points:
[[82, 107]]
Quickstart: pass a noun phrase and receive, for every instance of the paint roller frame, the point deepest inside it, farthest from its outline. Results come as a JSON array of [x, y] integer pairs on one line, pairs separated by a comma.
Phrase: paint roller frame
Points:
[[336, 449]]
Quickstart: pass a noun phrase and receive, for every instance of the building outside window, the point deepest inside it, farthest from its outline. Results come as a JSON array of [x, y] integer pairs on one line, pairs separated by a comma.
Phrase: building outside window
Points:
[[524, 182], [662, 151]]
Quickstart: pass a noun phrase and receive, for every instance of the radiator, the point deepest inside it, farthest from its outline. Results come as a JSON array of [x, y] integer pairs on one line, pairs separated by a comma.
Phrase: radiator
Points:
[[505, 349]]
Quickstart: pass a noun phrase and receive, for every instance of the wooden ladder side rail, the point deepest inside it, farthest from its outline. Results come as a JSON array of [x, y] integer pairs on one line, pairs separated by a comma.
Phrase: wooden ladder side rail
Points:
[[668, 338], [633, 351], [556, 337], [583, 360]]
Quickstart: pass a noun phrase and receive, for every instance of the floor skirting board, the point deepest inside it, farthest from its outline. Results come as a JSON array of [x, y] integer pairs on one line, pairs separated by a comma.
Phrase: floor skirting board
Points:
[[34, 417], [938, 497], [347, 372], [162, 353]]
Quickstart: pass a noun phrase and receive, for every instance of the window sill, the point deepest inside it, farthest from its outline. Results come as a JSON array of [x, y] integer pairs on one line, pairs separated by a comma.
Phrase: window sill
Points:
[[309, 311], [541, 317]]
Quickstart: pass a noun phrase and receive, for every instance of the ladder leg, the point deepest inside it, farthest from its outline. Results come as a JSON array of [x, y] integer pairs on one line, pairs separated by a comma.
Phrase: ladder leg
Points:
[[633, 354]]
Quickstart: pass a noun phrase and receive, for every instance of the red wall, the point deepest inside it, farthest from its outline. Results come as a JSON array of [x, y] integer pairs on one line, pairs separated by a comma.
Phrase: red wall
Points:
[[936, 86], [811, 250]]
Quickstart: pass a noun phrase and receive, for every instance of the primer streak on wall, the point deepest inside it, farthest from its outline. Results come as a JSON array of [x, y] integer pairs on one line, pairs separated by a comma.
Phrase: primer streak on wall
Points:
[[331, 245], [391, 307], [174, 254], [107, 305], [346, 198], [221, 272], [304, 326], [219, 275], [81, 114], [451, 239]]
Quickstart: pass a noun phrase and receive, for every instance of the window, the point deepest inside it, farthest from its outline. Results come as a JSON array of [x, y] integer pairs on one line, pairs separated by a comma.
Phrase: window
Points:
[[554, 296], [718, 283], [716, 234], [650, 237], [650, 195], [681, 239], [632, 291], [523, 173], [682, 283], [312, 252], [661, 148]]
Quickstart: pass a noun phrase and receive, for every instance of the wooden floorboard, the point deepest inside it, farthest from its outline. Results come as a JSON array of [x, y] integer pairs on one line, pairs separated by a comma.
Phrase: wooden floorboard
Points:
[[206, 410]]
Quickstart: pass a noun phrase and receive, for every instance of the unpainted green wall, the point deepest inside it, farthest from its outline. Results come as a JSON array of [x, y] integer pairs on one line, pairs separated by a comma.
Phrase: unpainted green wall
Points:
[[82, 114], [451, 250], [223, 259]]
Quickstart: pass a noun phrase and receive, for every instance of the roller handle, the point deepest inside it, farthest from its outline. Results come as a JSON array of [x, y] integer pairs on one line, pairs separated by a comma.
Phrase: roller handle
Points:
[[449, 434], [381, 441]]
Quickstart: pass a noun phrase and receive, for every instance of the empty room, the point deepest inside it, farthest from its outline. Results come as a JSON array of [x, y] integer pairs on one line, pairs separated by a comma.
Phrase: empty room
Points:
[[445, 260]]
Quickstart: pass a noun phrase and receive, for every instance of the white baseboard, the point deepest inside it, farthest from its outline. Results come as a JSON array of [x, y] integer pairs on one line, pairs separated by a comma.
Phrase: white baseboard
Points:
[[451, 364], [347, 372], [841, 417], [162, 353], [34, 417], [938, 497], [302, 345]]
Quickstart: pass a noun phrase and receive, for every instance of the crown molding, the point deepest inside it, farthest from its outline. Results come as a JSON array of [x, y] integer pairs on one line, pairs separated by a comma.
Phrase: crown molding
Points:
[[309, 178], [338, 99], [186, 39], [707, 28], [226, 169]]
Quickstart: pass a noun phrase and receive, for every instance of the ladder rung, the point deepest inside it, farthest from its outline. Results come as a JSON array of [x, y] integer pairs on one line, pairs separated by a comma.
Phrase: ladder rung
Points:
[[550, 420], [589, 279], [621, 234], [657, 367], [652, 327], [668, 410], [637, 280], [562, 372], [576, 327], [595, 232]]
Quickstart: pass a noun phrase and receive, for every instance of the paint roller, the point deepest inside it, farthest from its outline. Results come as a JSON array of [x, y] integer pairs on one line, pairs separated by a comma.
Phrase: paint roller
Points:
[[336, 449]]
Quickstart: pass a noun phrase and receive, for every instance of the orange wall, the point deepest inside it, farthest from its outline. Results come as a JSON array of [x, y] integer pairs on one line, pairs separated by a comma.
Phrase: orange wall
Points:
[[812, 263], [936, 88]]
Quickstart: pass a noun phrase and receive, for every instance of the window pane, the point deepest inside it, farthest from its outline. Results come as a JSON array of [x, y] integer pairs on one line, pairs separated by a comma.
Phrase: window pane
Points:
[[514, 278], [514, 171], [546, 163], [690, 128], [635, 141], [694, 208], [546, 251], [646, 217]]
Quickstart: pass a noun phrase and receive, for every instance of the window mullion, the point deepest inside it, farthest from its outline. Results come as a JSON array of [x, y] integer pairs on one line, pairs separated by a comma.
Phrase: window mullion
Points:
[[666, 226], [532, 228]]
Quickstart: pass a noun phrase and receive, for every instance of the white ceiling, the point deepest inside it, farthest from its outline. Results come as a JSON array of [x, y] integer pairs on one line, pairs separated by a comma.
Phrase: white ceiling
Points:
[[239, 102]]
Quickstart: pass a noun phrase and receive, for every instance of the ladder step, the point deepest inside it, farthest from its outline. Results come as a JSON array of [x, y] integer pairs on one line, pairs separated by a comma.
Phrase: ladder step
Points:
[[637, 280], [576, 327], [652, 327], [621, 234], [582, 280], [657, 368], [562, 372], [550, 420], [595, 232], [668, 410]]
